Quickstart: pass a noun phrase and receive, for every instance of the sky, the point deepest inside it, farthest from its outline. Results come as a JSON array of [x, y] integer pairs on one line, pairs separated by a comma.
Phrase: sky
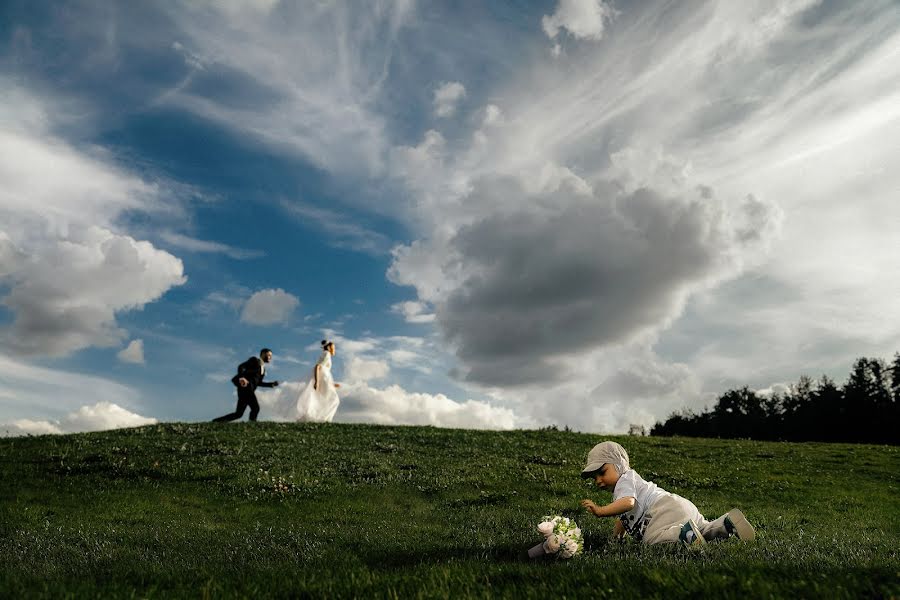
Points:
[[507, 214]]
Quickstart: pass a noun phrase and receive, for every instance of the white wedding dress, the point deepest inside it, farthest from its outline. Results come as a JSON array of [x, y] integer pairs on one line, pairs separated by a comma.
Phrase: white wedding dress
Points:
[[319, 405]]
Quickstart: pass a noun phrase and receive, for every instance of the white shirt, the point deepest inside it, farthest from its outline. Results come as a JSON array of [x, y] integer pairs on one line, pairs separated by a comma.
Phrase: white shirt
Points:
[[645, 493]]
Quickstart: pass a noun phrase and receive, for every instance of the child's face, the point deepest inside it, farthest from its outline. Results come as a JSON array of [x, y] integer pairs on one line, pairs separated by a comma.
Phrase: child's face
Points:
[[606, 477]]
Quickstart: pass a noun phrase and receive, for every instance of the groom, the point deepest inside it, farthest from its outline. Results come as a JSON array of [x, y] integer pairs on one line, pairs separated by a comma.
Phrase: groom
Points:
[[249, 376]]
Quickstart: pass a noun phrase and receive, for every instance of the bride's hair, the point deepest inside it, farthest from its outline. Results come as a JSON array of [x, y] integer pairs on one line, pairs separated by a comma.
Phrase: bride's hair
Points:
[[325, 344]]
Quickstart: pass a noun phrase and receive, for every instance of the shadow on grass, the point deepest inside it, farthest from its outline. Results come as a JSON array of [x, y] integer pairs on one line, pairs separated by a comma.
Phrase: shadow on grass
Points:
[[379, 558], [401, 559]]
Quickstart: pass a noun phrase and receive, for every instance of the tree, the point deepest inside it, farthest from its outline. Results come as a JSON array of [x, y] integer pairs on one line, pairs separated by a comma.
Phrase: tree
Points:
[[865, 409], [895, 377]]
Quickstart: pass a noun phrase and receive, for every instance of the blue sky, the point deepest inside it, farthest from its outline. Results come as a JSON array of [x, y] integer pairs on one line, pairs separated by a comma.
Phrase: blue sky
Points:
[[511, 214]]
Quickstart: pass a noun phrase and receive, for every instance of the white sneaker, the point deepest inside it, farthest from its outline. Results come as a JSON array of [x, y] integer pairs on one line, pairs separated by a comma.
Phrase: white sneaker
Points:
[[737, 524], [690, 534]]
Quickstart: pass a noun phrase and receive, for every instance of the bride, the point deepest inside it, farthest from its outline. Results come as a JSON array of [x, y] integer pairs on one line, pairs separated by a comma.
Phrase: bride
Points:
[[318, 401]]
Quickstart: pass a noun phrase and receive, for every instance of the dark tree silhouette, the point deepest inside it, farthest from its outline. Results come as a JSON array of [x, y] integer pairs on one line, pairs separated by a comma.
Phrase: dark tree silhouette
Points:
[[865, 409]]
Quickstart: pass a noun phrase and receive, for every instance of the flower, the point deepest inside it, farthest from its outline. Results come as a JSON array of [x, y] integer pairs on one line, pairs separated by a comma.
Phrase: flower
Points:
[[563, 536]]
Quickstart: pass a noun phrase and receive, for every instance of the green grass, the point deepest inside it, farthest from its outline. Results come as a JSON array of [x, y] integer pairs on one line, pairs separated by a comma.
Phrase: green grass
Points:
[[243, 510]]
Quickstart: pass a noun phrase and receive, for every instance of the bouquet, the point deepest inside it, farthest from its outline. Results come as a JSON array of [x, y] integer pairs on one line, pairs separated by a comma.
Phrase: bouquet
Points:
[[562, 538]]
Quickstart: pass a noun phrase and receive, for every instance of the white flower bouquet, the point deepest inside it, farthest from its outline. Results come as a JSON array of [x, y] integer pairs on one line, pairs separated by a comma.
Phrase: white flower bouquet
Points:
[[562, 538]]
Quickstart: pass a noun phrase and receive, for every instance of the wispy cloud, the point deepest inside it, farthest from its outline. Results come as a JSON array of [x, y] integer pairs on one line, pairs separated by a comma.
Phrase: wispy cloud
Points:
[[204, 246], [33, 389], [339, 228]]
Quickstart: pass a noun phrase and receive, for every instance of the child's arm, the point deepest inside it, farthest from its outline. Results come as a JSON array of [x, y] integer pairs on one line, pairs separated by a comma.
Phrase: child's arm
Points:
[[620, 506], [618, 530]]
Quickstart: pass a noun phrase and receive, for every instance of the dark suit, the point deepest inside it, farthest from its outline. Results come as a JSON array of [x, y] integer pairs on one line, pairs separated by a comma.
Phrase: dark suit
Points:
[[251, 370]]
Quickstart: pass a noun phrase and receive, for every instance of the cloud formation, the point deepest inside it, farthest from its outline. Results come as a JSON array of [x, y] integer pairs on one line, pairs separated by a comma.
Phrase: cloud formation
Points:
[[583, 19], [57, 314], [66, 268], [413, 312], [340, 229], [361, 370], [133, 352], [270, 306], [194, 245], [446, 98], [391, 405], [575, 272], [98, 417]]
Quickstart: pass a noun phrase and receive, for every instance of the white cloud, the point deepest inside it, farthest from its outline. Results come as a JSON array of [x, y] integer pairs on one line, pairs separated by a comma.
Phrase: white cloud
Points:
[[22, 427], [340, 229], [98, 417], [584, 19], [320, 107], [392, 406], [696, 117], [446, 98], [194, 245], [270, 306], [733, 121], [68, 270], [363, 370], [133, 352], [492, 115], [56, 313], [102, 416], [29, 389], [413, 311]]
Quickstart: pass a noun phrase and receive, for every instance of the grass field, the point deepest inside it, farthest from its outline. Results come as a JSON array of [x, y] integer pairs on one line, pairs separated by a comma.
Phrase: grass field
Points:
[[250, 509]]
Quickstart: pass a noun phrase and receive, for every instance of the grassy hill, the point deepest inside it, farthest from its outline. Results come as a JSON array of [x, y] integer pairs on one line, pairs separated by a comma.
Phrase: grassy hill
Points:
[[222, 510]]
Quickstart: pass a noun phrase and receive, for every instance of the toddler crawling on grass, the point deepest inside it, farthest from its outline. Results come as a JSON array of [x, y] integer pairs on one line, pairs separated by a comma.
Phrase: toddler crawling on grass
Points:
[[648, 512]]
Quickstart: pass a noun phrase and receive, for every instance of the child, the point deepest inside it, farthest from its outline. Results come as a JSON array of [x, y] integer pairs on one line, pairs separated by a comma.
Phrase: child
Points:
[[648, 512]]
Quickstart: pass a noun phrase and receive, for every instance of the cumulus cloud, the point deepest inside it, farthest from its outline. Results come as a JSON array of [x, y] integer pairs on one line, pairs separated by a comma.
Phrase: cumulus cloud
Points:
[[360, 370], [577, 271], [395, 405], [22, 427], [98, 417], [583, 19], [67, 270], [56, 313], [101, 416], [392, 405], [631, 138], [413, 312], [133, 352], [270, 306], [447, 97], [684, 156]]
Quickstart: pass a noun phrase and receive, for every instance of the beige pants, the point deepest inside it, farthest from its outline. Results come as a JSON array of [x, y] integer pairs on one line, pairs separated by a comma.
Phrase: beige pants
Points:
[[669, 514]]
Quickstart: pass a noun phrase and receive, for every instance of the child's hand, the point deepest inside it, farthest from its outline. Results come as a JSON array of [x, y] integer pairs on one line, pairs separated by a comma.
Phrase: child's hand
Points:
[[592, 508]]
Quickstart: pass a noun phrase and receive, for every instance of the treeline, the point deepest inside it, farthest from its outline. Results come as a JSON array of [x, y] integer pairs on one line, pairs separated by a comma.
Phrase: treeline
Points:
[[864, 409]]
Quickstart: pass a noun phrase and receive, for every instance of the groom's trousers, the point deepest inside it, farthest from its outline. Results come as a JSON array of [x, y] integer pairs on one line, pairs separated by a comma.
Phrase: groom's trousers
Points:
[[246, 397]]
